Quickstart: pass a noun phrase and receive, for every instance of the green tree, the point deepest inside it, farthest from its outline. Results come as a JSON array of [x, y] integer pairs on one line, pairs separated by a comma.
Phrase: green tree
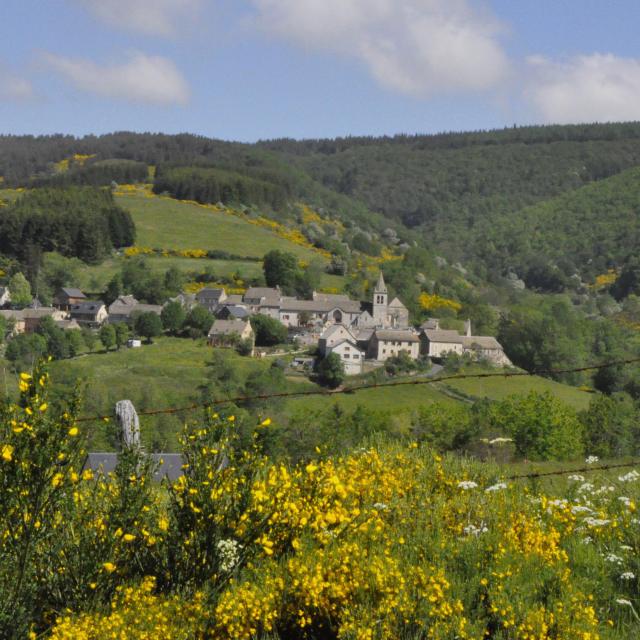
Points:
[[114, 289], [90, 338], [75, 342], [20, 290], [173, 316], [269, 331], [107, 336], [199, 320], [280, 269], [3, 328], [611, 426], [148, 325], [330, 371], [542, 427], [122, 334]]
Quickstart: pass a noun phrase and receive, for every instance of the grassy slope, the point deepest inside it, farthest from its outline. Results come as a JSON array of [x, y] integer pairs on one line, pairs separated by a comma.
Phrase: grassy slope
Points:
[[500, 388], [169, 373], [170, 224]]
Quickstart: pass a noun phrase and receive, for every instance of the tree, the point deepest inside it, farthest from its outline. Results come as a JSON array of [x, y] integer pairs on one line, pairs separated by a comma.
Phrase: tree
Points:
[[107, 336], [173, 316], [542, 427], [173, 281], [122, 334], [330, 371], [20, 290], [269, 331], [148, 325], [114, 289], [244, 347], [90, 338], [200, 320], [75, 342], [3, 328], [280, 269]]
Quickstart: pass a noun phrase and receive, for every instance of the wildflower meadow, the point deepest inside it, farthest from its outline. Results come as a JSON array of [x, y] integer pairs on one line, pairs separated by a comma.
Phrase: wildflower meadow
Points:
[[387, 541]]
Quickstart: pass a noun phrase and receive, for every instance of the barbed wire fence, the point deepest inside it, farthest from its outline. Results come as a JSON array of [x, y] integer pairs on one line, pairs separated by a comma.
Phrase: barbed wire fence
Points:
[[404, 383]]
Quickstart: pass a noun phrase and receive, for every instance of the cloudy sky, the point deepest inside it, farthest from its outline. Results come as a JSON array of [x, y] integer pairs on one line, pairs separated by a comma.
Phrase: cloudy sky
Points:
[[252, 69]]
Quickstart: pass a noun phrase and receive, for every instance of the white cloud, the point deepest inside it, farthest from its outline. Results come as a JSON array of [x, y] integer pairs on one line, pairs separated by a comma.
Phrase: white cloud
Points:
[[587, 88], [143, 78], [13, 87], [151, 17], [417, 47]]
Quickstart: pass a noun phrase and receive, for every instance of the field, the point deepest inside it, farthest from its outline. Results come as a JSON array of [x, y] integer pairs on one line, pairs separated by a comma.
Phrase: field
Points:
[[500, 388], [171, 372], [169, 224]]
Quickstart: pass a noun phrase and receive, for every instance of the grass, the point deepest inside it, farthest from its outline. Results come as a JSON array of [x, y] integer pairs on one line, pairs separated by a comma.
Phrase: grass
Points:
[[168, 373], [170, 224], [499, 388]]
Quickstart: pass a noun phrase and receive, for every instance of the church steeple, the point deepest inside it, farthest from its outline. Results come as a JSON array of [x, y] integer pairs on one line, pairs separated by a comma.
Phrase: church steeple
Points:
[[381, 287], [380, 302]]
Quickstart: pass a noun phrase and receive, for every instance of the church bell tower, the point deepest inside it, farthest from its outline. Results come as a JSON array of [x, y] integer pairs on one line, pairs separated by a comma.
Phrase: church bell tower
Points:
[[380, 303]]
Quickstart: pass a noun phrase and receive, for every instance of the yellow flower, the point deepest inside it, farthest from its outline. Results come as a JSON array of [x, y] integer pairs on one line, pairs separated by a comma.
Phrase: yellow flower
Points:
[[7, 452], [73, 431], [43, 406], [231, 418], [57, 480], [266, 422], [25, 376], [128, 537], [109, 567]]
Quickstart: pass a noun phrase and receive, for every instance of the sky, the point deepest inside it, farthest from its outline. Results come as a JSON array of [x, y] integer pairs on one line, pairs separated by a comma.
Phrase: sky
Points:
[[258, 69]]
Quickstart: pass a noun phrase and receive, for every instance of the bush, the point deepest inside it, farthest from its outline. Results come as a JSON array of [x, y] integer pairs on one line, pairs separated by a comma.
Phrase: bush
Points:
[[269, 331]]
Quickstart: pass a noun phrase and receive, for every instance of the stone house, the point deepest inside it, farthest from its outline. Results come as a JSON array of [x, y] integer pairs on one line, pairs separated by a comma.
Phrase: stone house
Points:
[[28, 320], [66, 297], [124, 307], [211, 299], [437, 343], [387, 343], [351, 355], [90, 313], [227, 333]]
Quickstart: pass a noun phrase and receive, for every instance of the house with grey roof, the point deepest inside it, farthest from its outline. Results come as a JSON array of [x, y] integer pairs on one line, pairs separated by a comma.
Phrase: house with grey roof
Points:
[[211, 299], [90, 313], [227, 333], [125, 308], [66, 297], [389, 343]]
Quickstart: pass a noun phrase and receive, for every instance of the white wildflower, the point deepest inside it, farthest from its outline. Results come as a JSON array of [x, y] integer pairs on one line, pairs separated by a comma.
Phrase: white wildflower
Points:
[[228, 553], [467, 484], [596, 522], [626, 501], [592, 459], [576, 477], [627, 575], [496, 487], [380, 506], [472, 530], [613, 558], [629, 477], [626, 547], [587, 540], [585, 487], [500, 440], [624, 602], [579, 508]]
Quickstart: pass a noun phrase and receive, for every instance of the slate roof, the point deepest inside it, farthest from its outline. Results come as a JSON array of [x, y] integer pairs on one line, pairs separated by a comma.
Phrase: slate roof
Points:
[[381, 287], [232, 311], [391, 334], [270, 296], [397, 304], [484, 342], [227, 327], [88, 306], [71, 292], [336, 328], [210, 294], [169, 464], [319, 306], [443, 335]]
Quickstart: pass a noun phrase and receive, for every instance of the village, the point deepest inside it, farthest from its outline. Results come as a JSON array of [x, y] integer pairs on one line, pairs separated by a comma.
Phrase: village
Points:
[[364, 335]]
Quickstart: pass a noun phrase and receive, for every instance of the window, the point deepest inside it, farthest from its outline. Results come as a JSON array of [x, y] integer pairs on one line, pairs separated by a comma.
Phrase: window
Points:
[[384, 351], [347, 348], [285, 317], [346, 356], [356, 356]]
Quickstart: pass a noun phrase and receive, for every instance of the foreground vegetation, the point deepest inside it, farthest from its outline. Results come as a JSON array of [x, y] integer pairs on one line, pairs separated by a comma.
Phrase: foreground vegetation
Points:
[[389, 541]]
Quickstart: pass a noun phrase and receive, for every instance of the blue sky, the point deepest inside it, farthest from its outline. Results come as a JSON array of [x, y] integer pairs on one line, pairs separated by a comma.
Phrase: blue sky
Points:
[[251, 69]]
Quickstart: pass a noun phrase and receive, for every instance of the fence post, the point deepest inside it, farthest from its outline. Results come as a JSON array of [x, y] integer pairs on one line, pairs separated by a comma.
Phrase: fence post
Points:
[[127, 418]]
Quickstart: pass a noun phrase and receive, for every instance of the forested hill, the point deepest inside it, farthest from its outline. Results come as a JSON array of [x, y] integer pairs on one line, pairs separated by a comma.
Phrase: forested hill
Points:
[[473, 197]]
